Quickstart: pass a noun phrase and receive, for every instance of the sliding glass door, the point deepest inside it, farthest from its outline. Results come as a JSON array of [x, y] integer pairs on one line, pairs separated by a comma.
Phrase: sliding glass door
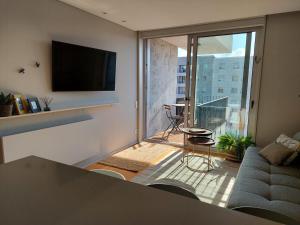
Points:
[[219, 81]]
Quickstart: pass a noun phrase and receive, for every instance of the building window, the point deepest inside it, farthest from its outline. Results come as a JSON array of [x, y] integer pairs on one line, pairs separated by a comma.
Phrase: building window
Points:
[[235, 78], [236, 66], [220, 90], [220, 78], [182, 69], [181, 79], [180, 90], [205, 67], [204, 77], [234, 90], [221, 66]]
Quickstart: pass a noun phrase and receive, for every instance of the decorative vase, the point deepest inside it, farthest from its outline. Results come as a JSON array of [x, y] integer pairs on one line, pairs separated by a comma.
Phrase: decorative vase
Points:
[[6, 110], [47, 108]]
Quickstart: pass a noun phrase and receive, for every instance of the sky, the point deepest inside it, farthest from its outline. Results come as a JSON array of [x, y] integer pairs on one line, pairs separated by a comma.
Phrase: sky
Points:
[[238, 47]]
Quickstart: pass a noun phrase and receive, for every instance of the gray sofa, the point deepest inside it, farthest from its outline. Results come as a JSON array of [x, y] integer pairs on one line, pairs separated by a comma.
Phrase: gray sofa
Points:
[[262, 185]]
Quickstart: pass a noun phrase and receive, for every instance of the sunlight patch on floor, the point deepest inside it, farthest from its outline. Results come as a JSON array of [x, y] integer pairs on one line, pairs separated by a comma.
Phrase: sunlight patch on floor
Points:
[[212, 187]]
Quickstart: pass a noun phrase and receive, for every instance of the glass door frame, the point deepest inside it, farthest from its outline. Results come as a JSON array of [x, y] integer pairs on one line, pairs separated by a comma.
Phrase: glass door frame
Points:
[[255, 82], [215, 28]]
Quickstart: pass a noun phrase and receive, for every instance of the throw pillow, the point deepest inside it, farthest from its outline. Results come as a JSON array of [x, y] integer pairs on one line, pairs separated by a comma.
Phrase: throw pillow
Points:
[[288, 142], [291, 144], [297, 136], [276, 153], [290, 159]]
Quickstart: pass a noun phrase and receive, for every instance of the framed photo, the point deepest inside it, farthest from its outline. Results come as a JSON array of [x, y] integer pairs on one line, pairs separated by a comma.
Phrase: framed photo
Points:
[[20, 104], [34, 105]]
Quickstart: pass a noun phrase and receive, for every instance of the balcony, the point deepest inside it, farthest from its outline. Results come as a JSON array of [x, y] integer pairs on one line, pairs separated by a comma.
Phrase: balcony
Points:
[[216, 115], [212, 115]]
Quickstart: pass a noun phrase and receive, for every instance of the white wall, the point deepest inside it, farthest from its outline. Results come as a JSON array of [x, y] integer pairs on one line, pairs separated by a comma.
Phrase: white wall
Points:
[[26, 31], [70, 136], [162, 82], [279, 106]]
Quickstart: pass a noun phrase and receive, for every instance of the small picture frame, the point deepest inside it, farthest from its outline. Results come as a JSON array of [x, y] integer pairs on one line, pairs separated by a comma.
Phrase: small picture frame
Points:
[[34, 105], [20, 104]]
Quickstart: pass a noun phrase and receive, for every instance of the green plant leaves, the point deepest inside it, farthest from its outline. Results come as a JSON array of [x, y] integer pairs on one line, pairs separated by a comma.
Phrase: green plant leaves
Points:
[[5, 99], [230, 142]]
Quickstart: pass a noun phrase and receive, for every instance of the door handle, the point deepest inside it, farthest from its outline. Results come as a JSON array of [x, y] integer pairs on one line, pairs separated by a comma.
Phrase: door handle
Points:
[[252, 104], [257, 59]]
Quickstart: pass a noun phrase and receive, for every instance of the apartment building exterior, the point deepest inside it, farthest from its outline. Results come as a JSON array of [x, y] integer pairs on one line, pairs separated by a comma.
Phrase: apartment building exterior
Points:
[[217, 77]]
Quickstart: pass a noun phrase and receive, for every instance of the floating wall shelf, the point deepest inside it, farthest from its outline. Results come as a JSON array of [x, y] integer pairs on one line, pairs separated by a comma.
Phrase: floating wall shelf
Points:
[[56, 111]]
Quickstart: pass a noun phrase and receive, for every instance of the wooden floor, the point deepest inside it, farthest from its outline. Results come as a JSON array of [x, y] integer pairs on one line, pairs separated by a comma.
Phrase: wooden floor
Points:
[[174, 137], [212, 187]]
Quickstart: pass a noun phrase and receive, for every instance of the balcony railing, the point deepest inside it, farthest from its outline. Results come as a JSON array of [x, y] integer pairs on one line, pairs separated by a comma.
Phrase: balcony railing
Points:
[[211, 114], [209, 98]]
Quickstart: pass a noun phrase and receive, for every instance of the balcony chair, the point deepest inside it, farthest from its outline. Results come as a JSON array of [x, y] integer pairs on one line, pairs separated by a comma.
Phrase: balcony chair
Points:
[[175, 121]]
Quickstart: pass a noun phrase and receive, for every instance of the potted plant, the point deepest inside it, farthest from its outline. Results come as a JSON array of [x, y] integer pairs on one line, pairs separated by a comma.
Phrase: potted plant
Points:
[[6, 104], [234, 145]]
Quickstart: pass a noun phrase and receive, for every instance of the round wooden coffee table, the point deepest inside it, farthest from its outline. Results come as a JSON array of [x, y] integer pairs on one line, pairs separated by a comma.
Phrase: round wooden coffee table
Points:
[[203, 138], [204, 141], [197, 132]]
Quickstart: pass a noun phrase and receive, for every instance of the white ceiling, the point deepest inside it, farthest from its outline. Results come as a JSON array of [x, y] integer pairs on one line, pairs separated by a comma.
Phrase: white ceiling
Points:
[[209, 45], [153, 14], [179, 41]]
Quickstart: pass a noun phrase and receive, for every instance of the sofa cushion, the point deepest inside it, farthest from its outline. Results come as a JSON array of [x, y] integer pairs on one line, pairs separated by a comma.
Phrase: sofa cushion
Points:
[[291, 159], [284, 180], [286, 208], [276, 153], [262, 185], [284, 193], [291, 143]]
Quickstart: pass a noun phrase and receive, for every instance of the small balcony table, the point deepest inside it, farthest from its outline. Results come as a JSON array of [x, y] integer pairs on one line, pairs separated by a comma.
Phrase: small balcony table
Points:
[[199, 136]]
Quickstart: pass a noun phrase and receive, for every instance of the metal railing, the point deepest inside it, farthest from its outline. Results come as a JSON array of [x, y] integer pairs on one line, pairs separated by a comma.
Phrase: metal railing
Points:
[[209, 98], [211, 114]]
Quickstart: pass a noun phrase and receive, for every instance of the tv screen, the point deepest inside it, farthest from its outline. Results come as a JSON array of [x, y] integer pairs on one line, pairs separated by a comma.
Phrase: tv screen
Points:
[[78, 68]]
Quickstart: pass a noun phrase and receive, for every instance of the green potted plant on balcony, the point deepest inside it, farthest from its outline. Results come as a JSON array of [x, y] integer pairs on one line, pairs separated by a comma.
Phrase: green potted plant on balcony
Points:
[[6, 104], [234, 145]]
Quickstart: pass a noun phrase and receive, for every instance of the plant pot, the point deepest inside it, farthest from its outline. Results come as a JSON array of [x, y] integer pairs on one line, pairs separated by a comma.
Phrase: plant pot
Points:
[[234, 157], [240, 155], [231, 157], [6, 110], [47, 108]]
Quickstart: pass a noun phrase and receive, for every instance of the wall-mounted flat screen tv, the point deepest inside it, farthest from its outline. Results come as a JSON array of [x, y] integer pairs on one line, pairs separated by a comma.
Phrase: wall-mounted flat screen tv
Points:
[[78, 68]]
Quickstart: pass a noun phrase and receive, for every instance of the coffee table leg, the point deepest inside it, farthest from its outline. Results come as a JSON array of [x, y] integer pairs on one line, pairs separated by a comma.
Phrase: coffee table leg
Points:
[[210, 165], [208, 158], [187, 159]]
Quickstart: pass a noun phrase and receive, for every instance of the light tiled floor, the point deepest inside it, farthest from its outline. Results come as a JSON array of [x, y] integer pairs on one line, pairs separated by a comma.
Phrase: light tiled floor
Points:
[[212, 187]]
